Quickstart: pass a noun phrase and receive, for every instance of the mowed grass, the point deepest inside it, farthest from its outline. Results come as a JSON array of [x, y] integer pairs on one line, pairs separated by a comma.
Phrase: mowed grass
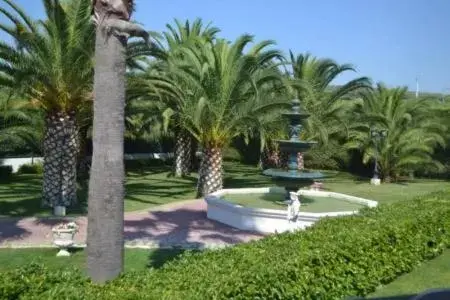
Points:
[[135, 259], [433, 274], [22, 195], [153, 186]]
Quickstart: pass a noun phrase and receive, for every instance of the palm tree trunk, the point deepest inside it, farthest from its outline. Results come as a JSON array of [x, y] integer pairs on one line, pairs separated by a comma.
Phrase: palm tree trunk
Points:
[[284, 160], [270, 158], [210, 177], [194, 167], [183, 154], [105, 241], [300, 161], [388, 179], [60, 161], [83, 161]]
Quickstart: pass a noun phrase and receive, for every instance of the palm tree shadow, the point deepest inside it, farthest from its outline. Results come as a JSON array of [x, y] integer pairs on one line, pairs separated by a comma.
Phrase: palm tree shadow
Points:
[[11, 229], [159, 257], [180, 228]]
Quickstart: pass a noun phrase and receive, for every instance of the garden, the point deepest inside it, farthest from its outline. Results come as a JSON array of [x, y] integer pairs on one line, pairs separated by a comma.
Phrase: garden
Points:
[[120, 156]]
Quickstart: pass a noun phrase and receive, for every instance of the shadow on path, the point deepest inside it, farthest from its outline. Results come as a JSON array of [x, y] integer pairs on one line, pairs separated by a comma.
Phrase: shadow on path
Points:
[[185, 226], [12, 230]]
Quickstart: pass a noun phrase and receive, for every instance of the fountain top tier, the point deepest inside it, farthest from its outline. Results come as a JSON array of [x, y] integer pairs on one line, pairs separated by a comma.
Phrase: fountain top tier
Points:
[[293, 178], [296, 117]]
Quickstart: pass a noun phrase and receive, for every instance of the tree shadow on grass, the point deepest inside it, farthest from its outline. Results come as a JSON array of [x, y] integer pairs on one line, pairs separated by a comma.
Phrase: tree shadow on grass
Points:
[[159, 257], [172, 190], [21, 197]]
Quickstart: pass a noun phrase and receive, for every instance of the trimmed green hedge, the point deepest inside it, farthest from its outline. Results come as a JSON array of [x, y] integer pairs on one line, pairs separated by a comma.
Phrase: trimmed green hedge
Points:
[[336, 258], [37, 168], [5, 172], [143, 164]]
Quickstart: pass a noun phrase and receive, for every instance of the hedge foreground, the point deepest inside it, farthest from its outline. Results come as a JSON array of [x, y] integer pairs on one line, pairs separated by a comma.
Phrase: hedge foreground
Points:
[[336, 258]]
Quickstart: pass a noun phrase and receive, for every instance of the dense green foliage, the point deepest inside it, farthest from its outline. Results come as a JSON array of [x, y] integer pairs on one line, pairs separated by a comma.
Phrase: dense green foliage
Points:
[[5, 172], [193, 81], [338, 257], [36, 168], [50, 62], [414, 131]]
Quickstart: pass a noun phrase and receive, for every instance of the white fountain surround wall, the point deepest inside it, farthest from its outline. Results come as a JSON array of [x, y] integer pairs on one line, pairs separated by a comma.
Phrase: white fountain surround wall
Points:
[[270, 220]]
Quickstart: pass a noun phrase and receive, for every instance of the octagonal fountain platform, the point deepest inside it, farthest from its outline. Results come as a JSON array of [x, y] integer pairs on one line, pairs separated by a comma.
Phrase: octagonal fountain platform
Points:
[[264, 210], [290, 206]]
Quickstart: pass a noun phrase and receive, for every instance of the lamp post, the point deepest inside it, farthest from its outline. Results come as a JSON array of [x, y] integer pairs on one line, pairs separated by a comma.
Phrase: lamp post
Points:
[[377, 135], [444, 96]]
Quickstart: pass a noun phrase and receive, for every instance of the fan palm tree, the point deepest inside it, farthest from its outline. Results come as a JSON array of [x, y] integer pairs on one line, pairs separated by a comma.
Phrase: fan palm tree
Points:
[[222, 85], [412, 131], [311, 82], [50, 63]]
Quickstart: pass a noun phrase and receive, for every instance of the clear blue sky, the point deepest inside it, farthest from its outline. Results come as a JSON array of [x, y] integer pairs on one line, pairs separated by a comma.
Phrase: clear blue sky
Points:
[[388, 40]]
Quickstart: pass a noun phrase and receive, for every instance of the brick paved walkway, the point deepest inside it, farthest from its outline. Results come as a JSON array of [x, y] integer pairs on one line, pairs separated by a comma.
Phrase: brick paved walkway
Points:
[[182, 224]]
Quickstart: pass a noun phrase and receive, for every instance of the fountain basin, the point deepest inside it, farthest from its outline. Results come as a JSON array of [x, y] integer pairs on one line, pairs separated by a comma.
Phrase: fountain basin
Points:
[[294, 146], [267, 220], [293, 180]]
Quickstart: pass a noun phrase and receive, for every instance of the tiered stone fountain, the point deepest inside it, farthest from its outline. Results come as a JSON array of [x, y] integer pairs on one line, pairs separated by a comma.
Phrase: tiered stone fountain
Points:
[[292, 179], [234, 206]]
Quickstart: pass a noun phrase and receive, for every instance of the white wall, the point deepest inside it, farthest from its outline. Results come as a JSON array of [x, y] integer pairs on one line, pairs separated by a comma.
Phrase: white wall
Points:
[[19, 161]]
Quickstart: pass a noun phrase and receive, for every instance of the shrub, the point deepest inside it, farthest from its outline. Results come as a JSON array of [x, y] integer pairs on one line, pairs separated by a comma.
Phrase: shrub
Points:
[[37, 168], [336, 258], [143, 164], [5, 172]]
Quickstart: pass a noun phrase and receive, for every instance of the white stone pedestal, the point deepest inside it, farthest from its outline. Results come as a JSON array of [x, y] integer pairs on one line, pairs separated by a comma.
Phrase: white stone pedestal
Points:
[[375, 181], [59, 211]]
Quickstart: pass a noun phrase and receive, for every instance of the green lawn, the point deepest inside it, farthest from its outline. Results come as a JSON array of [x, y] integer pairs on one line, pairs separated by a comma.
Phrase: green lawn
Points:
[[309, 203], [384, 193], [21, 196], [154, 186], [135, 259], [432, 274]]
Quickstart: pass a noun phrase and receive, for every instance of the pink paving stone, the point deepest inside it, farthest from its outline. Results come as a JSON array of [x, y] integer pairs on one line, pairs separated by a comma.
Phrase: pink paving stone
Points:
[[179, 224]]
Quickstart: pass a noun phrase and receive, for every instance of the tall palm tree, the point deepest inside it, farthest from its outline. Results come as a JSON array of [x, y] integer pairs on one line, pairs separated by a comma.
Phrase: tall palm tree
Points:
[[412, 131], [222, 85], [311, 81], [272, 126], [155, 85], [50, 63], [106, 186]]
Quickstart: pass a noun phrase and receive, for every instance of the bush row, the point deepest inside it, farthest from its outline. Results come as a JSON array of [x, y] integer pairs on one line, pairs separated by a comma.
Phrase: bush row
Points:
[[336, 258], [5, 172], [36, 168], [143, 164]]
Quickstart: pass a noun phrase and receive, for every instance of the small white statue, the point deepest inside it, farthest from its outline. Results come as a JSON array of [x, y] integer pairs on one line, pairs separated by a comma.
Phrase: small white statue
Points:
[[293, 207]]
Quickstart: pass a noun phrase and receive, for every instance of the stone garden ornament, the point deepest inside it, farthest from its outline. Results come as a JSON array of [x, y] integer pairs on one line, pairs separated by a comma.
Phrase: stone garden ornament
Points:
[[293, 209], [63, 235]]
